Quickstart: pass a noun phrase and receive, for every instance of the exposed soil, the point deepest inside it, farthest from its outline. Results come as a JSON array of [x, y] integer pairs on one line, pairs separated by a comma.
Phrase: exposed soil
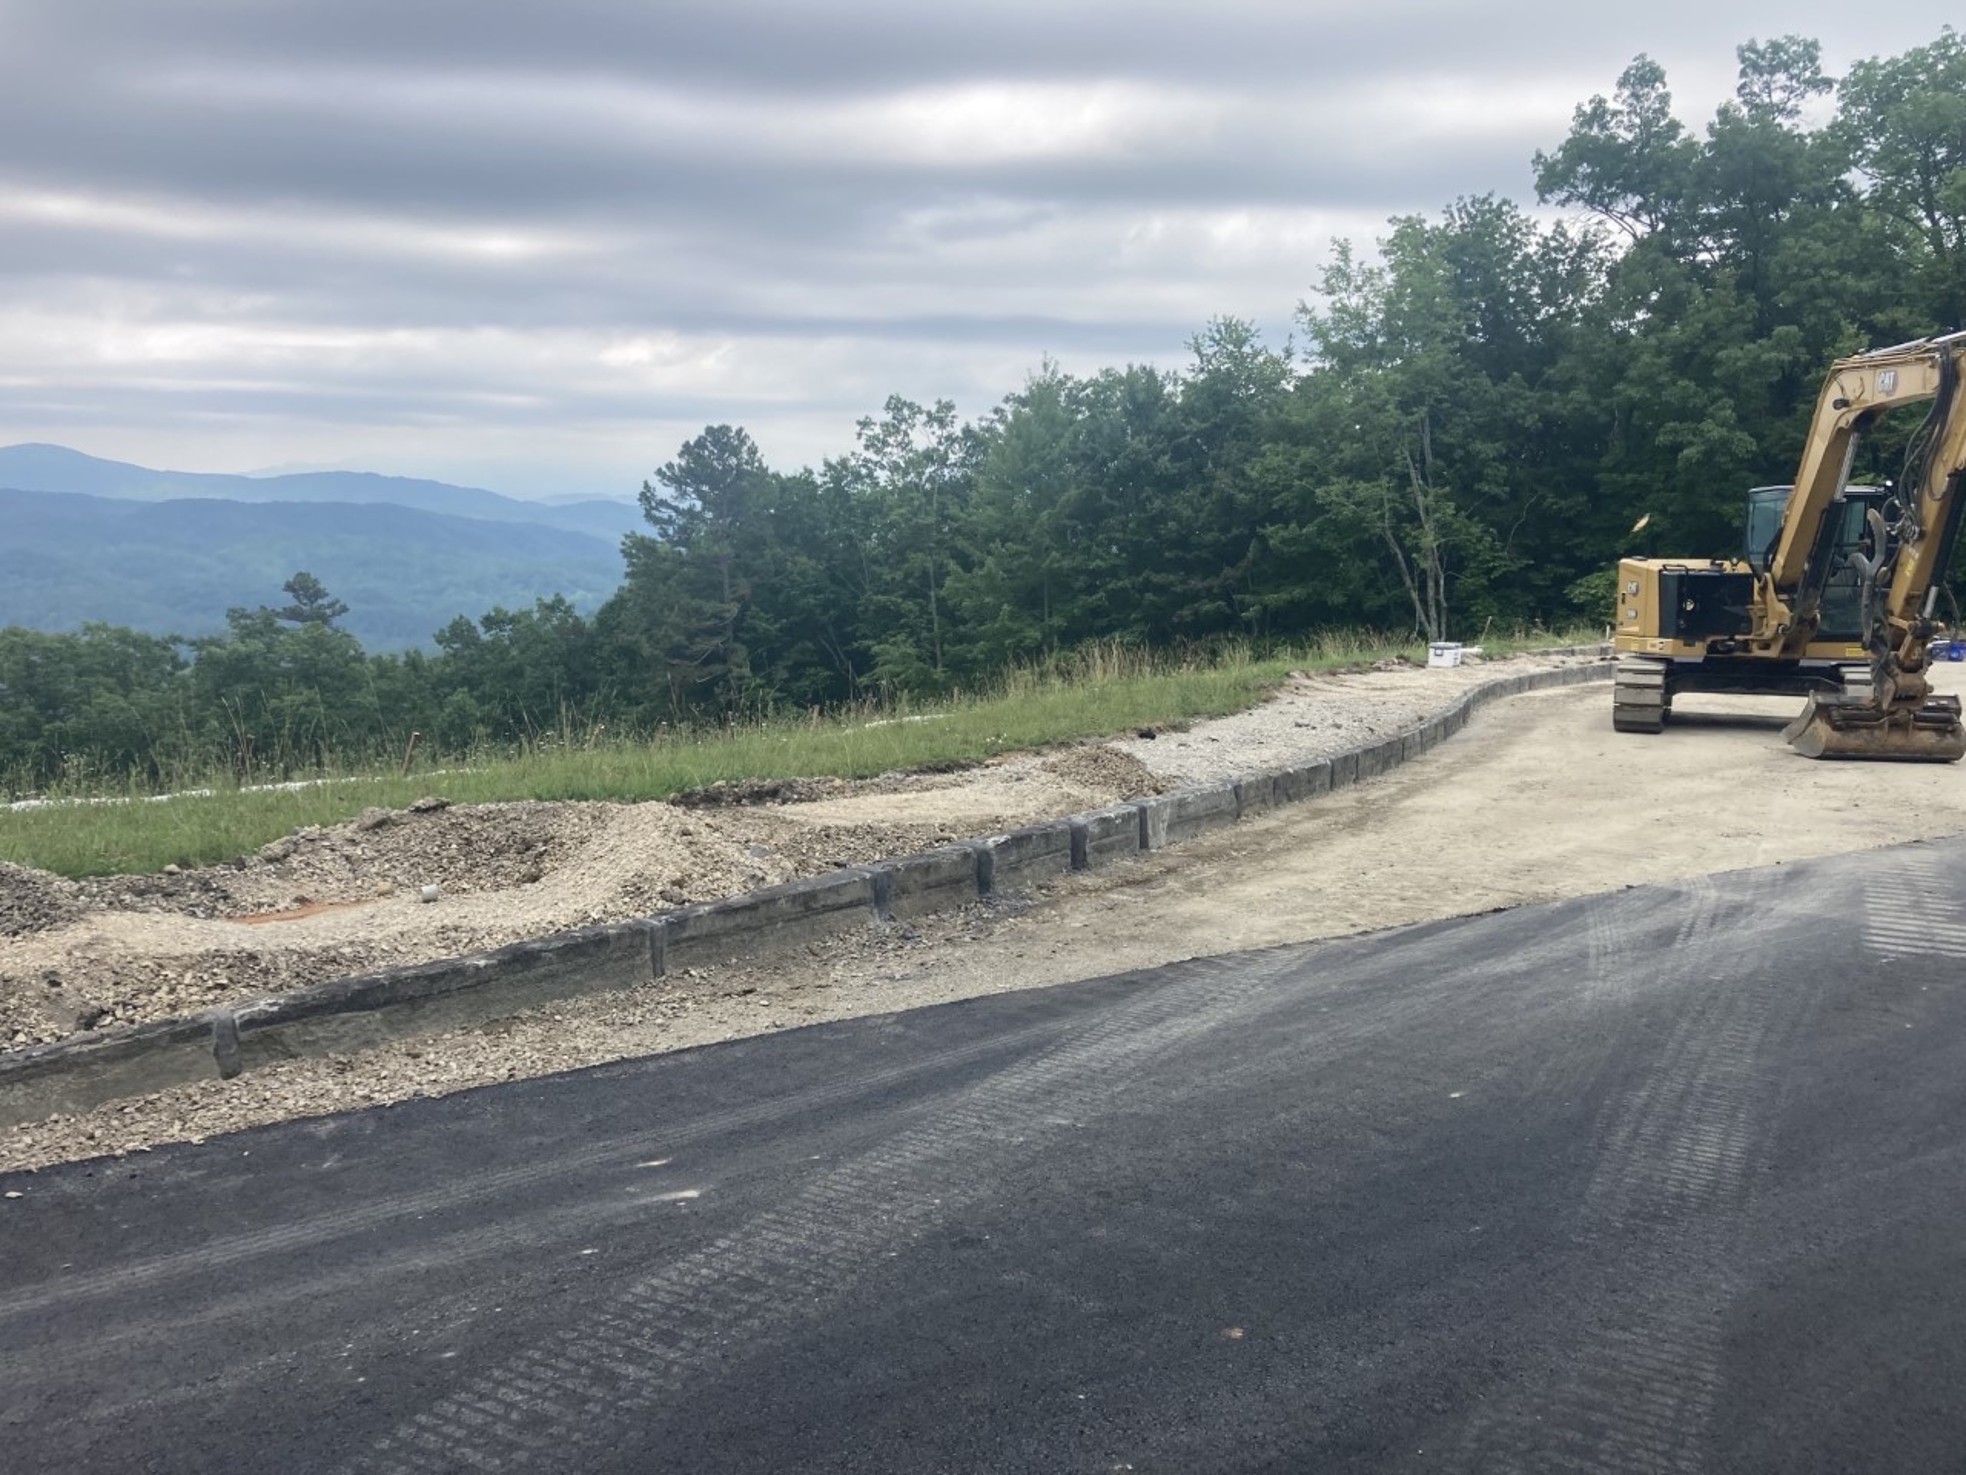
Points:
[[1536, 799], [328, 901]]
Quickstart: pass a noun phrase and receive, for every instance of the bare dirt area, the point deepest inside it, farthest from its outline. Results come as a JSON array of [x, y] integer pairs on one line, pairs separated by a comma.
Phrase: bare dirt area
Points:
[[1537, 799], [327, 902]]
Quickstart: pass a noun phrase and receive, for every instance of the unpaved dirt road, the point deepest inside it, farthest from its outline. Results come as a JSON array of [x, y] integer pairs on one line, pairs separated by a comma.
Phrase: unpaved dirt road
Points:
[[1537, 799]]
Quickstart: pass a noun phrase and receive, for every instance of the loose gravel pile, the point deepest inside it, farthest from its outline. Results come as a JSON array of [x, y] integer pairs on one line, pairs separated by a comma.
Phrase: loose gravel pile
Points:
[[34, 901]]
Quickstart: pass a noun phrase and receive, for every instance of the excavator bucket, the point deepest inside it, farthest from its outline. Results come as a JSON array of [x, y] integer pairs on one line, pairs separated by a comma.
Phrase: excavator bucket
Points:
[[1837, 727]]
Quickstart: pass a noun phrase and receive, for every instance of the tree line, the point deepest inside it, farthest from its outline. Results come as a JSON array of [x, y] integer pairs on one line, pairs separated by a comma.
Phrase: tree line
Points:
[[1462, 432]]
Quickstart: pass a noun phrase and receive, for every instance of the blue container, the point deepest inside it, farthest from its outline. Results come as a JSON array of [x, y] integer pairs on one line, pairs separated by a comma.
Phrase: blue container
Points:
[[1956, 651]]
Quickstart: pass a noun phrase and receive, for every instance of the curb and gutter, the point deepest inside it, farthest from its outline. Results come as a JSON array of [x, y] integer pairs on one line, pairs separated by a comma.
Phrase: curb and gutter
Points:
[[352, 1013]]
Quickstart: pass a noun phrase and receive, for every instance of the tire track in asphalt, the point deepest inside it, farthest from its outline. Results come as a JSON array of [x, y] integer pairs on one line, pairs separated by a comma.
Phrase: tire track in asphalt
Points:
[[554, 1216], [537, 1176], [1623, 936], [561, 1403], [1901, 918], [1101, 1064], [1633, 1388], [29, 1362], [551, 1403], [29, 1366], [1431, 977], [1662, 1217]]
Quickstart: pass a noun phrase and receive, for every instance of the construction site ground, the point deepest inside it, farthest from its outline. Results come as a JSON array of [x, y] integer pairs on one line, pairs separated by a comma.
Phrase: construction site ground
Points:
[[1536, 799]]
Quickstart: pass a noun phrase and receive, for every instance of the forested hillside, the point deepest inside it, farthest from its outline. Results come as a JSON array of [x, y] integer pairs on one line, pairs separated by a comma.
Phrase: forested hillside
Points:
[[176, 567], [1473, 417]]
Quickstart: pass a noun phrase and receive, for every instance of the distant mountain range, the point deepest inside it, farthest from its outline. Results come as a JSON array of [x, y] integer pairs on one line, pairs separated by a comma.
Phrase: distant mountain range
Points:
[[42, 468], [169, 552]]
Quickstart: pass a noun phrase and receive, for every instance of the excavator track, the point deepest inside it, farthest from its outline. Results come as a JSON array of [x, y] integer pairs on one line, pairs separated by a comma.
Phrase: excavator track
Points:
[[1640, 700]]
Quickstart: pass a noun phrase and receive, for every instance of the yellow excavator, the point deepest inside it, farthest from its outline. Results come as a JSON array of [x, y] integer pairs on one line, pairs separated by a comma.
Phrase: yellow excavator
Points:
[[1834, 594]]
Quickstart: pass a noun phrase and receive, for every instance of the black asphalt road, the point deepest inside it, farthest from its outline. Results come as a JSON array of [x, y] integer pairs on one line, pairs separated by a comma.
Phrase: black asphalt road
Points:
[[1669, 1180]]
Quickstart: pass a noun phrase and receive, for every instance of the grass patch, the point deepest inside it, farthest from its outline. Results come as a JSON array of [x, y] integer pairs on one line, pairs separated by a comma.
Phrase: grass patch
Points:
[[1095, 692]]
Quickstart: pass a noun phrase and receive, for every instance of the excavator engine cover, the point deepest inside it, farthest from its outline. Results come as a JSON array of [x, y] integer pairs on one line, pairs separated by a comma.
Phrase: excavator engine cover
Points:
[[1704, 603], [1837, 727]]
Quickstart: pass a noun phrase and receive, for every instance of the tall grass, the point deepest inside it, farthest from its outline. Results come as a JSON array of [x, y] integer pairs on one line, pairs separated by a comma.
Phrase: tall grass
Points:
[[1095, 691]]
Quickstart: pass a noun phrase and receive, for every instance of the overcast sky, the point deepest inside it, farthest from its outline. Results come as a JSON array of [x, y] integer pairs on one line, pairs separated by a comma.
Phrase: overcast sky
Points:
[[536, 246]]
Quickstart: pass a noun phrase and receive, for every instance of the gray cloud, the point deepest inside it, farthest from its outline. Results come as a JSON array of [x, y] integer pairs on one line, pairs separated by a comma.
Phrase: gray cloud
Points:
[[239, 231], [818, 47]]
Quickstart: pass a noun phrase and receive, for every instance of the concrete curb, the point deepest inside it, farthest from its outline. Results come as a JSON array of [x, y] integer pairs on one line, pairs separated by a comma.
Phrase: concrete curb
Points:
[[352, 1013]]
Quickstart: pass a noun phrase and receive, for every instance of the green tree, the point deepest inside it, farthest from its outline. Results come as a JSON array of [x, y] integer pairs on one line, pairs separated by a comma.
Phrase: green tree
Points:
[[1760, 168], [524, 672], [286, 699], [1903, 122], [311, 604], [690, 581], [1212, 507], [1627, 159], [906, 486], [1425, 408], [103, 702], [746, 595], [1013, 596]]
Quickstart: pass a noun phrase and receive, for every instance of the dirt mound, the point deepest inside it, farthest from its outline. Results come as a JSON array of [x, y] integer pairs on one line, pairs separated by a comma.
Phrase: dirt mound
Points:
[[742, 793], [478, 847], [474, 847], [1099, 768], [199, 893], [330, 901], [327, 902], [34, 901]]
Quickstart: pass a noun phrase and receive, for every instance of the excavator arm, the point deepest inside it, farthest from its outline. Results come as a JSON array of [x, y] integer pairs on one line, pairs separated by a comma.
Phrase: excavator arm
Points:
[[1893, 714]]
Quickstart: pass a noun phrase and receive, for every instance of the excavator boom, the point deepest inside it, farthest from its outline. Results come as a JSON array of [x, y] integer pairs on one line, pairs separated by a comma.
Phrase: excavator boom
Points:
[[1892, 713]]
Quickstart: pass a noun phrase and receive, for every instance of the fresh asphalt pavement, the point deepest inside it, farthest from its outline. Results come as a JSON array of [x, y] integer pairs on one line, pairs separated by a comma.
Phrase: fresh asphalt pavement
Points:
[[1671, 1179]]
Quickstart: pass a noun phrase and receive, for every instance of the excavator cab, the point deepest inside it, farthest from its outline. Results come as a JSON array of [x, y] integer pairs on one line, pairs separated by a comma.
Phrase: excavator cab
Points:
[[1841, 614]]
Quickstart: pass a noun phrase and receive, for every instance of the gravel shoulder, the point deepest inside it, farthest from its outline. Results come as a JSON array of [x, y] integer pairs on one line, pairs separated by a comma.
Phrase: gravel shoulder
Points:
[[1536, 799]]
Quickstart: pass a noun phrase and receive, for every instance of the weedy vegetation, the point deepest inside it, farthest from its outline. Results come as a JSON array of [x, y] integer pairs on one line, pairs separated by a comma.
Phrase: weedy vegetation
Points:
[[84, 829]]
